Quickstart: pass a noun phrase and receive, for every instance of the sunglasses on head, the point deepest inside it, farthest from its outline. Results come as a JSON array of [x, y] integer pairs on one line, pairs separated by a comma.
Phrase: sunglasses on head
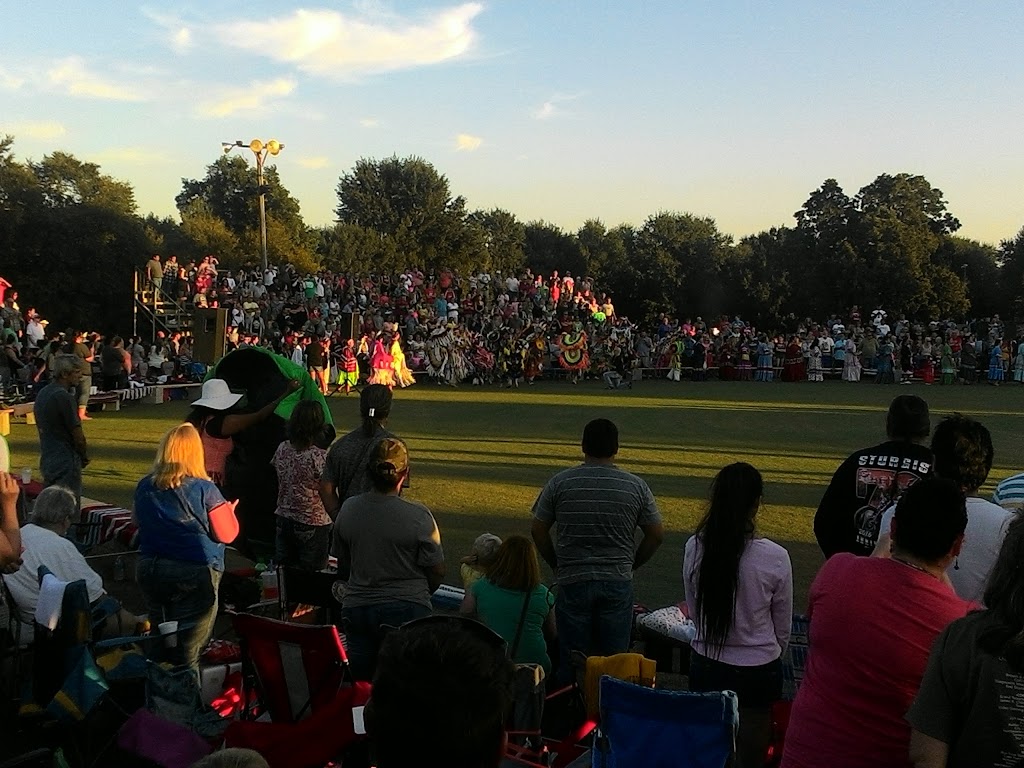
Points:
[[474, 627]]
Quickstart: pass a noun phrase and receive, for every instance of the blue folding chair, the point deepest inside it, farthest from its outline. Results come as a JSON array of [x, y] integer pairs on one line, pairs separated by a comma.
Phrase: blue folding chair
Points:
[[664, 729]]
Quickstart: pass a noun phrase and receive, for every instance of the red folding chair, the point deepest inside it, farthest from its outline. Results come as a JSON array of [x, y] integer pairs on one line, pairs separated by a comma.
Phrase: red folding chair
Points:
[[297, 674]]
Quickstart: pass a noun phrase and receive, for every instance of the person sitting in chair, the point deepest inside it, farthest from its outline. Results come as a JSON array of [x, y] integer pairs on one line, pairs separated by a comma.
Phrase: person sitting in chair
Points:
[[441, 692], [46, 543]]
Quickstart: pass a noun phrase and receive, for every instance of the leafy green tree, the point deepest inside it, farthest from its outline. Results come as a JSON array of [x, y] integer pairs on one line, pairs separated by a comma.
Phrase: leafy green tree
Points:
[[230, 193], [761, 272], [407, 200], [504, 239], [547, 248], [1010, 258]]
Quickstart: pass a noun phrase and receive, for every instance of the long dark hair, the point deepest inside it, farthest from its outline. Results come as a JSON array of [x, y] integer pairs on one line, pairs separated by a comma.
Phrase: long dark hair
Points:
[[723, 535], [1004, 597]]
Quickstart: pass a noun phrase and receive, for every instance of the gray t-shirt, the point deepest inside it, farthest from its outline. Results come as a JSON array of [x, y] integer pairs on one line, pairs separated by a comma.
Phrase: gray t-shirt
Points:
[[387, 543], [596, 509], [347, 460]]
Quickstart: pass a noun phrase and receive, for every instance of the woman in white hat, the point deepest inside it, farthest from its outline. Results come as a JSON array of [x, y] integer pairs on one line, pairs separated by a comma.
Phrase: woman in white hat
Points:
[[213, 416]]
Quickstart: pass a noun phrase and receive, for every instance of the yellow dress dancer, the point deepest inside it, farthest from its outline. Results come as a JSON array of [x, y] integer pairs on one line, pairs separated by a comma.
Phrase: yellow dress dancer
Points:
[[403, 376]]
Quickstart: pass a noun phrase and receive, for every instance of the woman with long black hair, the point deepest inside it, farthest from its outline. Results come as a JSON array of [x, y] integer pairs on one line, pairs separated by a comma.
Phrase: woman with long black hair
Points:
[[739, 592], [968, 710]]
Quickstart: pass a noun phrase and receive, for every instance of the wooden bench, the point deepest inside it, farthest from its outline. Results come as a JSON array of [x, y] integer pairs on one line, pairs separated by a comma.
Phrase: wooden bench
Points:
[[107, 401], [160, 393]]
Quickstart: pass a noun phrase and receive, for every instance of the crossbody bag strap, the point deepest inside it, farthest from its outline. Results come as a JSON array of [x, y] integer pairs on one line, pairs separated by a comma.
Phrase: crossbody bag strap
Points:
[[522, 623]]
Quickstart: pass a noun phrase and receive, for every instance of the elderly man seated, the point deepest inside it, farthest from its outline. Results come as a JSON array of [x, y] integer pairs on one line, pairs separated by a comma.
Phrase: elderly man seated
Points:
[[45, 543]]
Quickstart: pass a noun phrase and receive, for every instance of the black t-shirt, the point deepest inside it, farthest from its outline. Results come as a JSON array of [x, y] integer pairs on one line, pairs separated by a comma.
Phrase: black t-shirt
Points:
[[315, 355], [850, 512], [970, 699]]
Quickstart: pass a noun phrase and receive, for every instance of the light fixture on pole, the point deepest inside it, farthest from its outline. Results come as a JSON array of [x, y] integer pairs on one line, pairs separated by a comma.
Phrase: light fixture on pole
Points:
[[260, 150]]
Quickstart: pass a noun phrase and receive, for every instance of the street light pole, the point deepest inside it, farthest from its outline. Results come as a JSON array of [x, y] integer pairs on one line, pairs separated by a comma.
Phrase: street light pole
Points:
[[260, 151]]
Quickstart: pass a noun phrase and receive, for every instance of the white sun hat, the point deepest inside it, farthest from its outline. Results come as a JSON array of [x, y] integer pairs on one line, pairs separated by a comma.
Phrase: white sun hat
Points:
[[217, 395]]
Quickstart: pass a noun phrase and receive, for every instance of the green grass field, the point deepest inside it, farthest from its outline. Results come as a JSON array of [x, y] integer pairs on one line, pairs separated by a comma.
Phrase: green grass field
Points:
[[480, 455]]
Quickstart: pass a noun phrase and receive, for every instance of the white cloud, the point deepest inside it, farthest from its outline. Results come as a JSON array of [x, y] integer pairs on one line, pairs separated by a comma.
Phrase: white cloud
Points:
[[132, 156], [331, 44], [313, 162], [250, 98], [464, 142], [179, 35], [10, 82], [552, 107], [35, 129], [181, 41], [369, 122], [72, 76]]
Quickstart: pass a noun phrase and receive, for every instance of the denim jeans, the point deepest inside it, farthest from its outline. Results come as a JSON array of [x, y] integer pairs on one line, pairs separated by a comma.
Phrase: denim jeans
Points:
[[298, 545], [594, 617], [365, 627], [185, 592]]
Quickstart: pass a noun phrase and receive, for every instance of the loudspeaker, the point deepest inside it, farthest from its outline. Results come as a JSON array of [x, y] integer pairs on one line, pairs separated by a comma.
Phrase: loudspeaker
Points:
[[208, 327], [348, 324]]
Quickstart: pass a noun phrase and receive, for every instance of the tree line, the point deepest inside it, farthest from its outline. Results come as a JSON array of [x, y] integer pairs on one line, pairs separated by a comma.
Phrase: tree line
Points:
[[71, 235]]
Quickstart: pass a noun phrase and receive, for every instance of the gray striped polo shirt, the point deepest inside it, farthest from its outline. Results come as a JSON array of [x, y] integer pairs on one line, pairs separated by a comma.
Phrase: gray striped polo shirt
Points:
[[596, 509]]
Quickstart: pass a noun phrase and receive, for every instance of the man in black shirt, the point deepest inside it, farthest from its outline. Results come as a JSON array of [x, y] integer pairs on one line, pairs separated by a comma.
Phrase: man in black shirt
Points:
[[871, 479]]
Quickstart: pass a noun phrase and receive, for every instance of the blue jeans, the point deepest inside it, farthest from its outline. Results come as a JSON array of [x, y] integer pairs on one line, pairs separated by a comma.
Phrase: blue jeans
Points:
[[365, 627], [185, 592], [594, 617]]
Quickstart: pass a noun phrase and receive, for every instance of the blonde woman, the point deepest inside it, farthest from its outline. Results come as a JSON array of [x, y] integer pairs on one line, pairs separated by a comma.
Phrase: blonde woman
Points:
[[184, 523]]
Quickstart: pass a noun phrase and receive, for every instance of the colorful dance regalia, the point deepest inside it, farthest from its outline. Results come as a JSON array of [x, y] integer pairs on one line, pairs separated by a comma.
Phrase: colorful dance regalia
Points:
[[572, 351], [439, 350], [381, 363], [533, 365], [403, 376], [348, 367]]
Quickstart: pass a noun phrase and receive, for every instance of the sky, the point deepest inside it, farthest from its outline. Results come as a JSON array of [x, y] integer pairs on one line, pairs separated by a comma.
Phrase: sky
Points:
[[555, 110]]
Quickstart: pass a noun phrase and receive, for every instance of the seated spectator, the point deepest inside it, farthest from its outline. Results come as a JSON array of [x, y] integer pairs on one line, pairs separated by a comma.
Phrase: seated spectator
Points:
[[873, 622], [963, 454], [475, 564], [968, 710], [46, 543], [440, 696], [739, 590], [389, 552], [511, 600]]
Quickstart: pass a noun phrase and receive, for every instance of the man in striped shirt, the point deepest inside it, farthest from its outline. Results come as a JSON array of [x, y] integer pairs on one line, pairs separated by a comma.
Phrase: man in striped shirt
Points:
[[595, 509], [1009, 494]]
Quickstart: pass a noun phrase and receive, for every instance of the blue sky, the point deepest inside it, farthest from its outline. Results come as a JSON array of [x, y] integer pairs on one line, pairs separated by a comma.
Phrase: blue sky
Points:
[[561, 111]]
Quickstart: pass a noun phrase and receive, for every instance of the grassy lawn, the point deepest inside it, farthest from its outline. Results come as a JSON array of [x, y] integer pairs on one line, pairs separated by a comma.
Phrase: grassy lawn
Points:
[[480, 455]]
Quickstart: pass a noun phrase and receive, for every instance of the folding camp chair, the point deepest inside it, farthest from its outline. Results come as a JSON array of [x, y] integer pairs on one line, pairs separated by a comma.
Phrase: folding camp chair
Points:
[[298, 673], [308, 588], [554, 750], [664, 729]]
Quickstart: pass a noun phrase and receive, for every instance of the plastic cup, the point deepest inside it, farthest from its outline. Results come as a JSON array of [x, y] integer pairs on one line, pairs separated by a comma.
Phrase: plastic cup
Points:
[[270, 585], [26, 475], [169, 631]]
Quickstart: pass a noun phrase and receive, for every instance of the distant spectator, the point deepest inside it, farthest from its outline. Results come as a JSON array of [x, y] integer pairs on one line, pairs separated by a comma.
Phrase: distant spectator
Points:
[[739, 592], [62, 447], [850, 513], [873, 622], [474, 565], [155, 273], [440, 696], [968, 710], [84, 348], [115, 365], [595, 509]]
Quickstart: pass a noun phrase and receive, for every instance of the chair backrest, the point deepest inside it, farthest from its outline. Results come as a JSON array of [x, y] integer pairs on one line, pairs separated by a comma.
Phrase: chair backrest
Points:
[[309, 588], [59, 646], [297, 667], [632, 667], [664, 729]]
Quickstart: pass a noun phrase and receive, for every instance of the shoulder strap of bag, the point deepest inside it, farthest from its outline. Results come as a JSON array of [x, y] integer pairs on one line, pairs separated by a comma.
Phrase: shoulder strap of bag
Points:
[[519, 629]]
